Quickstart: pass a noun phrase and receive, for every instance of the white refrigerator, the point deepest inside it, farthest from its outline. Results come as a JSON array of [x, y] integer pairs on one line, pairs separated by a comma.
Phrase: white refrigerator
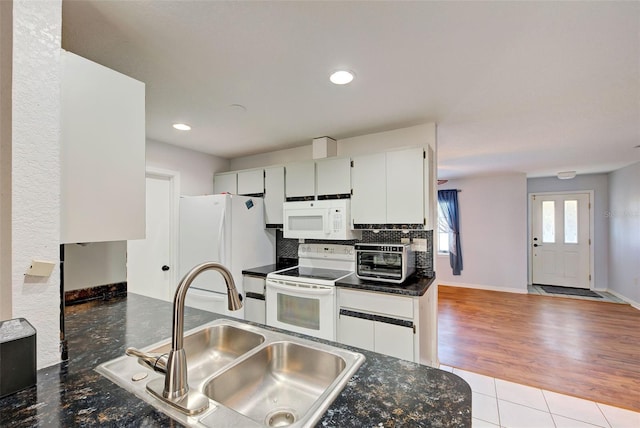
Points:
[[224, 228]]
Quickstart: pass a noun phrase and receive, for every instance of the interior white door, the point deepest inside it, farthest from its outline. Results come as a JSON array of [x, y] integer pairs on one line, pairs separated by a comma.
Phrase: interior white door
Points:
[[149, 261], [561, 239]]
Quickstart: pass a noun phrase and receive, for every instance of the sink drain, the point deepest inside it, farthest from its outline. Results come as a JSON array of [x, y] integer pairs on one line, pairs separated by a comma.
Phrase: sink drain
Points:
[[280, 418]]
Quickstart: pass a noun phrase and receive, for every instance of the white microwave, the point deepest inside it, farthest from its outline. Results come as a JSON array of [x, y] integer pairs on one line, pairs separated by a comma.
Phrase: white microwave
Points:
[[327, 219]]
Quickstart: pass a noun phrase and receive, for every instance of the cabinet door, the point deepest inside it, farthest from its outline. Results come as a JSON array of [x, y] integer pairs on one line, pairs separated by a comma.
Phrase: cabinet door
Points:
[[300, 179], [273, 196], [356, 332], [255, 310], [394, 340], [251, 182], [333, 176], [369, 200], [225, 183], [405, 186], [431, 189], [102, 158]]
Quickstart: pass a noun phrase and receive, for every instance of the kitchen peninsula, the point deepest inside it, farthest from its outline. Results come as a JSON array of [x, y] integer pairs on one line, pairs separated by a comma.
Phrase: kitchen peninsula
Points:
[[385, 391]]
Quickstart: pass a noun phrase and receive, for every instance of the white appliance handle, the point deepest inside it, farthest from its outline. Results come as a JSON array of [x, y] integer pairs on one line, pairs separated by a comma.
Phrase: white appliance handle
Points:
[[301, 290], [327, 222], [221, 237]]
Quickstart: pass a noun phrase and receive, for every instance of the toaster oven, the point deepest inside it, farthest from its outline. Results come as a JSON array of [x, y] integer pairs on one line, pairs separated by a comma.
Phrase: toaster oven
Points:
[[384, 262]]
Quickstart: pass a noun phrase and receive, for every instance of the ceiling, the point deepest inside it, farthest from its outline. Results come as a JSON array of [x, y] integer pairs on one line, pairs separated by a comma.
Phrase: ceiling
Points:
[[533, 87]]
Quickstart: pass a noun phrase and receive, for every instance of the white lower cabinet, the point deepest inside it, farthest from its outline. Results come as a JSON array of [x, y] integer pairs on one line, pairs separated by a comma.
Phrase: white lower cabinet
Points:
[[399, 326], [377, 322], [254, 302]]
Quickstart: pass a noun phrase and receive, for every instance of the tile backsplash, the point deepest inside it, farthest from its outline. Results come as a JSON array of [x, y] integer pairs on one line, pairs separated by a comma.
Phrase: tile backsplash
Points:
[[288, 248]]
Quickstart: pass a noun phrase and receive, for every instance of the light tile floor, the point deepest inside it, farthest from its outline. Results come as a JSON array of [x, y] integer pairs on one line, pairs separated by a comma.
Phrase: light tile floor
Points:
[[499, 403]]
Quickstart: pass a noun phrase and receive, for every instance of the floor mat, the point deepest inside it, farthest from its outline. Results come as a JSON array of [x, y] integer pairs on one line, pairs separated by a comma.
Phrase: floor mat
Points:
[[553, 289]]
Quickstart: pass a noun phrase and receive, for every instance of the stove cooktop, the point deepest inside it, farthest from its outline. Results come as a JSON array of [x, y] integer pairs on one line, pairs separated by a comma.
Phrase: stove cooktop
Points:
[[314, 273]]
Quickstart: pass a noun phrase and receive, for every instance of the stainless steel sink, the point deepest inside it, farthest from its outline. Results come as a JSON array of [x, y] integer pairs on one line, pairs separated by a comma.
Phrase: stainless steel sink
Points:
[[211, 348], [253, 377], [277, 385]]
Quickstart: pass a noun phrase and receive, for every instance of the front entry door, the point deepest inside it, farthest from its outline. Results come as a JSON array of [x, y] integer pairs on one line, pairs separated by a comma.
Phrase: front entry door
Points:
[[561, 239]]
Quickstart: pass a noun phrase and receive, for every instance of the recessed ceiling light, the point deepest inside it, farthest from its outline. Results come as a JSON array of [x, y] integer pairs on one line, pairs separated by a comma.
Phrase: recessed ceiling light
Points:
[[182, 126], [341, 77]]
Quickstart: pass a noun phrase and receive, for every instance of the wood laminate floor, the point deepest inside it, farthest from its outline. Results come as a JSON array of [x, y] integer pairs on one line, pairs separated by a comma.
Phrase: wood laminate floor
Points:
[[576, 347]]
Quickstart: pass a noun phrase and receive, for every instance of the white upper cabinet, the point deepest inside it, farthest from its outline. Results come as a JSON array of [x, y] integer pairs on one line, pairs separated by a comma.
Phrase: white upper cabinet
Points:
[[333, 176], [300, 179], [389, 188], [251, 182], [405, 186], [226, 182], [369, 200], [273, 196], [102, 153]]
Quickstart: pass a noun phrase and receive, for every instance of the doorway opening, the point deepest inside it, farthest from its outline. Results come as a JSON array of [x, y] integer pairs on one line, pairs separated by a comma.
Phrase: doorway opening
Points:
[[152, 262]]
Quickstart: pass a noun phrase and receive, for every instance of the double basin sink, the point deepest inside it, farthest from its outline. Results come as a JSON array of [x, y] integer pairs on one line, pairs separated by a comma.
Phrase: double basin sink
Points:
[[251, 376]]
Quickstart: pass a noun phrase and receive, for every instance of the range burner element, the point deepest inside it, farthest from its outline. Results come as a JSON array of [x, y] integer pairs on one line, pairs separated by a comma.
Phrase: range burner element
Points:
[[315, 273]]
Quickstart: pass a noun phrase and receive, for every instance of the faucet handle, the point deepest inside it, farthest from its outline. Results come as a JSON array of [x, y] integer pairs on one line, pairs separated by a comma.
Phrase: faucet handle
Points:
[[156, 362]]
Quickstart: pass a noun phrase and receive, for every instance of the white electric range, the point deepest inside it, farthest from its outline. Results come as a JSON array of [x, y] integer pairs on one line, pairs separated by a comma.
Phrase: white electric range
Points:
[[302, 299]]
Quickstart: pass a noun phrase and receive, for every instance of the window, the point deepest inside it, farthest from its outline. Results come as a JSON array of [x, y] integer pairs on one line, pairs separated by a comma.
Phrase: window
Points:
[[449, 226], [443, 233]]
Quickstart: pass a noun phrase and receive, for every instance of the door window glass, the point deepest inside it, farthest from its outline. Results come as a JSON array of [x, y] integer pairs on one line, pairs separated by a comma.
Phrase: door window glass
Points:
[[548, 221], [571, 222]]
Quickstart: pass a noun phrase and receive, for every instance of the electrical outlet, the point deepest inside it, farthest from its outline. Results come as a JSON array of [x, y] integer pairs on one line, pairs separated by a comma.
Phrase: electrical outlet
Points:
[[419, 244]]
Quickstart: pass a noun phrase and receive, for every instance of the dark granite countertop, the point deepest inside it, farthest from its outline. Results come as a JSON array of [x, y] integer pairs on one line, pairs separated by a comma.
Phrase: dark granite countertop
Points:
[[414, 286], [262, 271], [385, 392]]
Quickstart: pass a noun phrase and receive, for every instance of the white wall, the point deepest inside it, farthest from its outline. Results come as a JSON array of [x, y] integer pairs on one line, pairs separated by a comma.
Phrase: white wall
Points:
[[36, 168], [599, 184], [419, 135], [493, 233], [277, 157], [6, 58], [94, 264], [369, 143], [196, 169], [102, 263], [623, 217]]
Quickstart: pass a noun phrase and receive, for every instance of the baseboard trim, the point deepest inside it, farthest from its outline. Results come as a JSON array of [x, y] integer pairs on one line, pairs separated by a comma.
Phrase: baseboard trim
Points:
[[101, 292], [625, 298], [487, 287]]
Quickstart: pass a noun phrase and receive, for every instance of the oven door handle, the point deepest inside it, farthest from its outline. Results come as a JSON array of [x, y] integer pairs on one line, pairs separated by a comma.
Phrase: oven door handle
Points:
[[301, 290]]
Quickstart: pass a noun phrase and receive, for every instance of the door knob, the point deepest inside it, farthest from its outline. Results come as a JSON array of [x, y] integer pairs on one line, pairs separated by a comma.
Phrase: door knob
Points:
[[165, 268], [536, 245]]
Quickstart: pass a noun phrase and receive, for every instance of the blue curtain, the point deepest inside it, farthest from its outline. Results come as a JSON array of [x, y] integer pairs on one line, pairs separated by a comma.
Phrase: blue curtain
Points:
[[448, 200]]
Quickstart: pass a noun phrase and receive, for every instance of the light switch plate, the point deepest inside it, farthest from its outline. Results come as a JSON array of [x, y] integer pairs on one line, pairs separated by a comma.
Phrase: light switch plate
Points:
[[41, 268]]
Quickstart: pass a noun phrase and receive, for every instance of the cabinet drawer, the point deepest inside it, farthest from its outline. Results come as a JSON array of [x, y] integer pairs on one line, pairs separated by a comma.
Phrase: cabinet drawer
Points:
[[380, 303], [253, 284]]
